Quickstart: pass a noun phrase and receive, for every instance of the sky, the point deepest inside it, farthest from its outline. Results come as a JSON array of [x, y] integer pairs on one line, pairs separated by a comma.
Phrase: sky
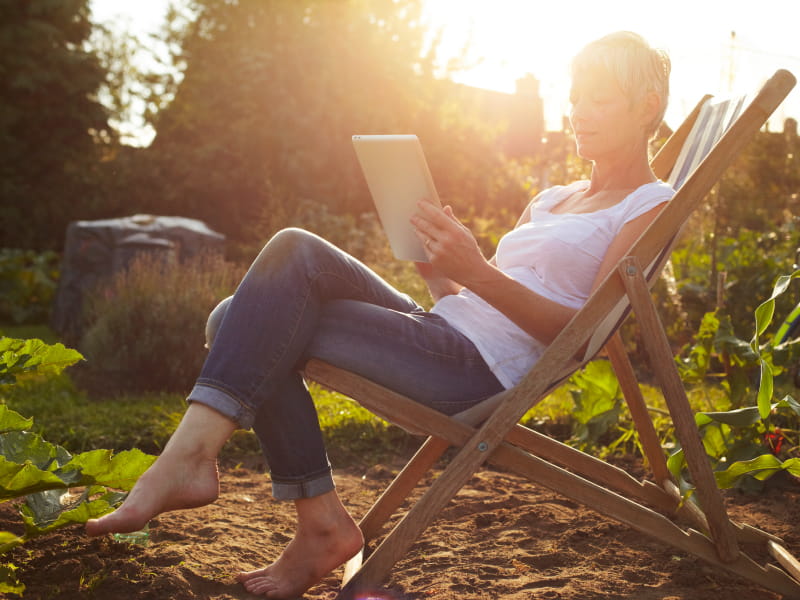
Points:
[[716, 46]]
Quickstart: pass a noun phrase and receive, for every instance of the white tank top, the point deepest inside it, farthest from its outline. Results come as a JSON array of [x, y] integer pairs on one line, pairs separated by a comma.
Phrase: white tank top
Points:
[[557, 256]]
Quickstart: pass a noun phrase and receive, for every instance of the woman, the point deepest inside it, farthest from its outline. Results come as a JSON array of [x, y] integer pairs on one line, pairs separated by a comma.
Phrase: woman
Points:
[[492, 319]]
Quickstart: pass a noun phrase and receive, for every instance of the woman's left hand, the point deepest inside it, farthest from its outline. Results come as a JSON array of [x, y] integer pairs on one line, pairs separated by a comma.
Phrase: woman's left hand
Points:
[[449, 245]]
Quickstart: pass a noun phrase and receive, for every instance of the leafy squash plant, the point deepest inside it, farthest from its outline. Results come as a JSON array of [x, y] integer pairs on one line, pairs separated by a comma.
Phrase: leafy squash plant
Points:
[[58, 488], [748, 443], [598, 403]]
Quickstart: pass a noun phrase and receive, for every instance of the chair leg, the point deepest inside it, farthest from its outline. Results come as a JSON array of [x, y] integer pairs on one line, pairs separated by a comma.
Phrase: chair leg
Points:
[[419, 517], [648, 437], [402, 485], [393, 497], [663, 363]]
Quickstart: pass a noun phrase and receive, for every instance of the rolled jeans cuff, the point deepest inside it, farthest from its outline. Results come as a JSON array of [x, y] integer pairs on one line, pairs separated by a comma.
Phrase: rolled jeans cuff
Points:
[[223, 403], [294, 490]]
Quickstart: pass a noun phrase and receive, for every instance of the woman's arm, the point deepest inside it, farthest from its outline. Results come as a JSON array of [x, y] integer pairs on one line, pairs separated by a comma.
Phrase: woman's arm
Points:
[[454, 252]]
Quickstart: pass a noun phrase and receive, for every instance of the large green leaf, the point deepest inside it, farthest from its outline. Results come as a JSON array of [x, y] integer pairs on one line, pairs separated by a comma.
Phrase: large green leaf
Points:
[[21, 479], [765, 389], [597, 401], [26, 446], [741, 417], [13, 421], [9, 540], [745, 417], [761, 467], [39, 524], [766, 309], [26, 356], [119, 471]]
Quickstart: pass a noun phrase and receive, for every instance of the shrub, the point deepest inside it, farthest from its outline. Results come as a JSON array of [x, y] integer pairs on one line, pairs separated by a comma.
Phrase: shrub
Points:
[[27, 285], [145, 328]]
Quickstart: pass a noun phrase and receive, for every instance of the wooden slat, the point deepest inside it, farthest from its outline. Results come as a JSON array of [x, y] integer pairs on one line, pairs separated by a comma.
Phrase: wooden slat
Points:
[[352, 566], [663, 363], [747, 534], [788, 562], [605, 502], [641, 519], [651, 445], [402, 486], [689, 510], [590, 467], [378, 399]]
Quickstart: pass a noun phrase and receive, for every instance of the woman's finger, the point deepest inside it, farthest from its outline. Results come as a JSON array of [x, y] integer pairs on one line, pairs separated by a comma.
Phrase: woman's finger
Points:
[[423, 228], [432, 212]]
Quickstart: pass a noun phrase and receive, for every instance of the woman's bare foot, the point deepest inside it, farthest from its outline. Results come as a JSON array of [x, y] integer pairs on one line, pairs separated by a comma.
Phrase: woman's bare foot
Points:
[[326, 537], [184, 476], [167, 485]]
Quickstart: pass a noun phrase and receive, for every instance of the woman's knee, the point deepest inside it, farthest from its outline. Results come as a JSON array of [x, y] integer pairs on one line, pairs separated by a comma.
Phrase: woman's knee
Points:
[[293, 240], [291, 246], [215, 319]]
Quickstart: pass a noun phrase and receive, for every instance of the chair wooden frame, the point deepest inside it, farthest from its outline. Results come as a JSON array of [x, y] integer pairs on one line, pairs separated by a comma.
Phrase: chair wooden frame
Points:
[[490, 431]]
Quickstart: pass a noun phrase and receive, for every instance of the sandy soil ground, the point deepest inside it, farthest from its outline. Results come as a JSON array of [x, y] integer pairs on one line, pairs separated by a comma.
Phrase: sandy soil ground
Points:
[[500, 538]]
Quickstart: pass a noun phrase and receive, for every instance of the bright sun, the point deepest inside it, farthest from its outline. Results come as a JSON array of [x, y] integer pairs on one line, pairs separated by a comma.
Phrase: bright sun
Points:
[[505, 39]]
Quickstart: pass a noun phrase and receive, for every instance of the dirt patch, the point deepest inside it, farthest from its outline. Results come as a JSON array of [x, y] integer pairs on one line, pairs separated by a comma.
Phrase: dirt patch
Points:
[[500, 538]]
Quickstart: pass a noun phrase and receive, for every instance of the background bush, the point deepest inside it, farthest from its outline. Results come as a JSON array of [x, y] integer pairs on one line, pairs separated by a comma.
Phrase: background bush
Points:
[[146, 327]]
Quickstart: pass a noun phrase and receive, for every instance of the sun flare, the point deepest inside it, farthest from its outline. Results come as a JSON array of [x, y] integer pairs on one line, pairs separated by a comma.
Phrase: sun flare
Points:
[[505, 39]]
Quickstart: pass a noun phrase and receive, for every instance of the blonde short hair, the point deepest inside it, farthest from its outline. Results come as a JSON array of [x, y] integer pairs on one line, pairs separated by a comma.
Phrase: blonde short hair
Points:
[[637, 67]]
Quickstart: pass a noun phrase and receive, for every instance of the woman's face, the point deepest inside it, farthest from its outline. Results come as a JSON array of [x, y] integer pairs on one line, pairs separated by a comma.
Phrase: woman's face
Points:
[[605, 124]]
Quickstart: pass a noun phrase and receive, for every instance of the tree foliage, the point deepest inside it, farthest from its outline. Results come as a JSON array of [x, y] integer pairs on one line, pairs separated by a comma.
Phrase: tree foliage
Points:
[[50, 118], [272, 93]]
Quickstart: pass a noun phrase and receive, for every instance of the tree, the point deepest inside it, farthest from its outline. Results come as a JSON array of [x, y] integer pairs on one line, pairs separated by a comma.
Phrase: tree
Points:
[[272, 92], [52, 125]]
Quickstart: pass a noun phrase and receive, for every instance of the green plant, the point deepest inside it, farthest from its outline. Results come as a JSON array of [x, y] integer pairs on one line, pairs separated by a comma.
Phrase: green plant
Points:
[[598, 402], [59, 488], [66, 415], [23, 357], [28, 282], [736, 270], [747, 443]]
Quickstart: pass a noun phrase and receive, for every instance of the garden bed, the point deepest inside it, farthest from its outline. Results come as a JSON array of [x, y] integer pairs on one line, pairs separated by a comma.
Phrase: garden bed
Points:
[[500, 538]]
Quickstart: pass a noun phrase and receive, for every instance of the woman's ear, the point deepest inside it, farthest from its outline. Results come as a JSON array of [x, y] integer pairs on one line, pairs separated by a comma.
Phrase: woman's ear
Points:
[[651, 108]]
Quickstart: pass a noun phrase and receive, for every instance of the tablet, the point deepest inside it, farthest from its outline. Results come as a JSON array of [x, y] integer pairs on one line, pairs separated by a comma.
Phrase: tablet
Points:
[[398, 177]]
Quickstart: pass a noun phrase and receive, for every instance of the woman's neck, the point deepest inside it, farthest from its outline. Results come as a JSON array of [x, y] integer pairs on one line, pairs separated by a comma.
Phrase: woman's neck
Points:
[[625, 174]]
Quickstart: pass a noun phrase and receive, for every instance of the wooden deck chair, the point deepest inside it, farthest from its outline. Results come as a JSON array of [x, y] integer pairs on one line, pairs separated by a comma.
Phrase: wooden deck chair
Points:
[[692, 160]]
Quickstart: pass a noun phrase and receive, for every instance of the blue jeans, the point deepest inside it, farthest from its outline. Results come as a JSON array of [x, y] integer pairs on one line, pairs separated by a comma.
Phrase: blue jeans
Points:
[[301, 298]]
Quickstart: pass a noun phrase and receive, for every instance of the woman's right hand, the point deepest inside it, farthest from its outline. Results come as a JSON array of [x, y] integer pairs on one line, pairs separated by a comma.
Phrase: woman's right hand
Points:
[[449, 245]]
